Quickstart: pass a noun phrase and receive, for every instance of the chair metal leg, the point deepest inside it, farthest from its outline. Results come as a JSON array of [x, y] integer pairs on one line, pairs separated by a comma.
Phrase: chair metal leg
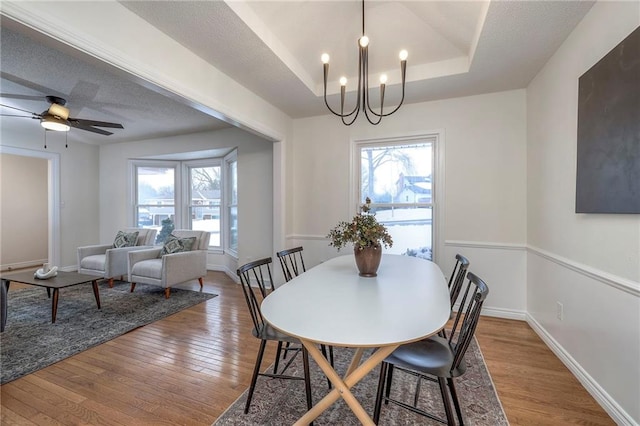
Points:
[[416, 396], [277, 362], [389, 379], [323, 348], [442, 382], [286, 350], [254, 378], [456, 403], [378, 405]]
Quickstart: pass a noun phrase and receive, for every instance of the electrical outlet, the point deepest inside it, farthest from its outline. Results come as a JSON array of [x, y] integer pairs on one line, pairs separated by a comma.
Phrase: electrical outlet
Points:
[[559, 311]]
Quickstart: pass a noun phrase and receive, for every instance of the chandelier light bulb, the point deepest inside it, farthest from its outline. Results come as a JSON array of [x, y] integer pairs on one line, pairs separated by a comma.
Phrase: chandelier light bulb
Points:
[[403, 55], [364, 41], [325, 58], [383, 79], [343, 81]]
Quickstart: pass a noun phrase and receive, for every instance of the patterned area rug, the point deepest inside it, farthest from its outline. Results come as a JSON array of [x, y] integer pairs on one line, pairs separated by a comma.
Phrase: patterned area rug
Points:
[[31, 342], [282, 402]]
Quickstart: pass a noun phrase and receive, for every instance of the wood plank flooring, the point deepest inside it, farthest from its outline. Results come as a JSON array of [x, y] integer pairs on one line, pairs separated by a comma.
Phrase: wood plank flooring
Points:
[[188, 368]]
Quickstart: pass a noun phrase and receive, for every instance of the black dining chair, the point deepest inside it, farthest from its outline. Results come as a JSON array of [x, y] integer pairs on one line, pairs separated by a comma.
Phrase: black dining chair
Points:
[[437, 359], [455, 283], [258, 273], [292, 264]]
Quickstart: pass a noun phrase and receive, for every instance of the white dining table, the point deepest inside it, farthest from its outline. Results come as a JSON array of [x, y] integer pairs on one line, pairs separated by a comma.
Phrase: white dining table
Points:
[[331, 304]]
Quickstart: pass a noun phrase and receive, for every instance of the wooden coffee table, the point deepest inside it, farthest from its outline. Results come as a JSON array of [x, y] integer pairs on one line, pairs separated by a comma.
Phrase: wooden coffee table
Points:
[[63, 279]]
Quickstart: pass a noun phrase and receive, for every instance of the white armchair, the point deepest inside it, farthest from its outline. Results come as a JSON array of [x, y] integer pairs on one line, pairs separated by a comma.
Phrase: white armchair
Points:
[[108, 262], [150, 267]]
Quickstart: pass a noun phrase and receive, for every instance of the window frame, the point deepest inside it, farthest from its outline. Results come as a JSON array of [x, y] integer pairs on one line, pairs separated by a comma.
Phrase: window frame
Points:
[[182, 192], [437, 188], [228, 198]]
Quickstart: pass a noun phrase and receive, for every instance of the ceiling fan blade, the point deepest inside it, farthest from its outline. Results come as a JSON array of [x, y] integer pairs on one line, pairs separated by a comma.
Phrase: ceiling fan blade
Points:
[[95, 123], [18, 116], [82, 126], [23, 110], [24, 97]]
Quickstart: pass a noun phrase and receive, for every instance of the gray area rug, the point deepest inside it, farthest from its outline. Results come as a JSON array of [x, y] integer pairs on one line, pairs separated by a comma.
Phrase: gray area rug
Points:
[[282, 402], [31, 342]]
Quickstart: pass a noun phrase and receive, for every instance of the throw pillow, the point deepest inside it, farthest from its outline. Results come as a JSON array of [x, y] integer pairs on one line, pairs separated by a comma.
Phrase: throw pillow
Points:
[[174, 244], [125, 239]]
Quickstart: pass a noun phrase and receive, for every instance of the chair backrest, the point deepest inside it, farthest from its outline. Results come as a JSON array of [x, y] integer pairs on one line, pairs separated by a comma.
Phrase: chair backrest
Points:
[[257, 272], [466, 319], [202, 237], [457, 277], [291, 262], [146, 236]]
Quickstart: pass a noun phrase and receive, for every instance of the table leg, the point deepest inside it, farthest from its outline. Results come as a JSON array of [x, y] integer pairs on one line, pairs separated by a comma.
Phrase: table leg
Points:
[[54, 304], [341, 387], [3, 303], [95, 292]]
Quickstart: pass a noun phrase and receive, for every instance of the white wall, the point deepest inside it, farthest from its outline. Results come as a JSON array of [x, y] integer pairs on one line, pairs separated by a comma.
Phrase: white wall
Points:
[[78, 185], [484, 139], [588, 262], [255, 187], [24, 211]]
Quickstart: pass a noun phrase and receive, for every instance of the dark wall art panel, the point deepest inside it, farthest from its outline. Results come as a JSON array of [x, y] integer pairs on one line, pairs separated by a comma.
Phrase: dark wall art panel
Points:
[[608, 168]]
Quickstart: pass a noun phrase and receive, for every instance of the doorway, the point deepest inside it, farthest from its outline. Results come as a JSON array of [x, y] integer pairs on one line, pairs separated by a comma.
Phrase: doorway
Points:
[[24, 205]]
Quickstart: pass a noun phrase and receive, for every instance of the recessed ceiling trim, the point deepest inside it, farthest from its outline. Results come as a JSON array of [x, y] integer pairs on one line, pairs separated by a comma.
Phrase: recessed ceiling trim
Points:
[[479, 27], [249, 17], [418, 72]]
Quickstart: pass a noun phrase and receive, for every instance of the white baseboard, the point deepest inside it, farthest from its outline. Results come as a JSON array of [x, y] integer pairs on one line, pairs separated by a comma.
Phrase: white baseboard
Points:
[[504, 313], [617, 413], [21, 265], [221, 268]]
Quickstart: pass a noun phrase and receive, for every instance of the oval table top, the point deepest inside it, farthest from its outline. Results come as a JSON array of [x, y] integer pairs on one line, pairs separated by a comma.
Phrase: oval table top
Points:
[[333, 305]]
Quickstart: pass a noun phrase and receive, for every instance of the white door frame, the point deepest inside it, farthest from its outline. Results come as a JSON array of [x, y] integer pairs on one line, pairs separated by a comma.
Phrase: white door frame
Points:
[[53, 191]]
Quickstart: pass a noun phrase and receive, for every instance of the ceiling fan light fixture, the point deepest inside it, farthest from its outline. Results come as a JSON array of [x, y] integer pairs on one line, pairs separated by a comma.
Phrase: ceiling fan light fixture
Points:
[[59, 111], [50, 122]]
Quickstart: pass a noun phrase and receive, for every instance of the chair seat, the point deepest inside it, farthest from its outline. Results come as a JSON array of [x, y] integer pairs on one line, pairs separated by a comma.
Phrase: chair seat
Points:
[[95, 262], [148, 268], [431, 356], [267, 332]]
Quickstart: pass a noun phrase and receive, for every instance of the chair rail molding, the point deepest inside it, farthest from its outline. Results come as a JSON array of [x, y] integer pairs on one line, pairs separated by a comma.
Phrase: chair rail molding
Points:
[[485, 245], [620, 283]]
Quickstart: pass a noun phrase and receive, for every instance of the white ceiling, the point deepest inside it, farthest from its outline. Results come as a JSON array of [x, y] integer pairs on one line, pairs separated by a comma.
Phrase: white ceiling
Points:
[[456, 48]]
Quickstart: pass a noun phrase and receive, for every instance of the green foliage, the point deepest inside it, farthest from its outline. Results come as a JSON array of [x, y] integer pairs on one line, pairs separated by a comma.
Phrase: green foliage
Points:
[[167, 228], [363, 231]]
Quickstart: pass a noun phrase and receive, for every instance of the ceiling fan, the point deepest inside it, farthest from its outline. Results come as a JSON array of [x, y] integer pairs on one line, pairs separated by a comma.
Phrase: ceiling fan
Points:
[[57, 118]]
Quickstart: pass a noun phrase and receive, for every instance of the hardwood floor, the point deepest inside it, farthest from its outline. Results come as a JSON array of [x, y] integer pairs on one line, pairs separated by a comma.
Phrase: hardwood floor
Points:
[[188, 368]]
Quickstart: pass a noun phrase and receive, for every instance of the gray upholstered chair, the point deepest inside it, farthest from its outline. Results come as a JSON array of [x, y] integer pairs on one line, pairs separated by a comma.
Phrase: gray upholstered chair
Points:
[[107, 261], [153, 266]]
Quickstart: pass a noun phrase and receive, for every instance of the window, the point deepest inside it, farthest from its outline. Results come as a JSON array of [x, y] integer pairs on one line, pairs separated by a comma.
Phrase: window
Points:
[[155, 204], [398, 178], [231, 203], [198, 194], [204, 199]]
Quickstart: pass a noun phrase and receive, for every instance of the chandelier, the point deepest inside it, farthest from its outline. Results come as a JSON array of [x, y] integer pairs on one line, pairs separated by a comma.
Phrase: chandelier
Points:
[[362, 101]]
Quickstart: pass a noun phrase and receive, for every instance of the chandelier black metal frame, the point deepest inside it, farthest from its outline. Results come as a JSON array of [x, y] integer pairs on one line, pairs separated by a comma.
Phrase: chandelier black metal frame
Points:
[[362, 102]]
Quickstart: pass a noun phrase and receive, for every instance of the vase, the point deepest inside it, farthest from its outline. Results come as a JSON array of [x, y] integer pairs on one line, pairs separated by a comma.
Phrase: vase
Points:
[[368, 260]]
